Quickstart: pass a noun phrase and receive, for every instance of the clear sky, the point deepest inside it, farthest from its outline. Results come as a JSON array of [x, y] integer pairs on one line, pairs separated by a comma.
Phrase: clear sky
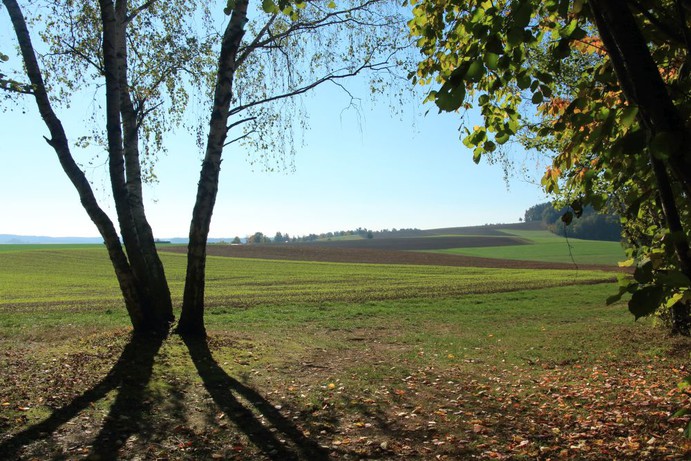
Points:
[[373, 170]]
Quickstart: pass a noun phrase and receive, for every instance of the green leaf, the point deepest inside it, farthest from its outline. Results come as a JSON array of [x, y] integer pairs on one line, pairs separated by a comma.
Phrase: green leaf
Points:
[[645, 301], [567, 30], [230, 6], [492, 60], [674, 278], [521, 16], [628, 116], [501, 138], [675, 298], [644, 272], [684, 383], [331, 5], [269, 6], [494, 45], [577, 6], [537, 98], [449, 98], [514, 37], [475, 72], [523, 80], [567, 217], [617, 296], [562, 50], [477, 155], [680, 413]]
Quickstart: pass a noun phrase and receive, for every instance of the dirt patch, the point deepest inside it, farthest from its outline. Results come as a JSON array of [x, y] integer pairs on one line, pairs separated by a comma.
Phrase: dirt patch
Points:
[[378, 256], [424, 243]]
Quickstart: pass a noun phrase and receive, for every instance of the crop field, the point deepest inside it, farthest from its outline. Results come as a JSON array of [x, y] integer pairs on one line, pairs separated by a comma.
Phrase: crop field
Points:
[[84, 278], [522, 242], [545, 246], [328, 360]]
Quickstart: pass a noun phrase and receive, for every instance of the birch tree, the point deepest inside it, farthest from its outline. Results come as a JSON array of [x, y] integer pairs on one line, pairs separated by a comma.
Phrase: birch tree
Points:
[[147, 63]]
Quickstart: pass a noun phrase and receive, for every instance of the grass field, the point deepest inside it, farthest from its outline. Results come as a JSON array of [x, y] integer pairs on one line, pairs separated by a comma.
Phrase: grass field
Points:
[[331, 361], [83, 277], [546, 246]]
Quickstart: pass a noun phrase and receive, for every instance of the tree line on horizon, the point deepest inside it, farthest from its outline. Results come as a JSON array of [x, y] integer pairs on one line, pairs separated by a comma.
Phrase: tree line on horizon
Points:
[[279, 237]]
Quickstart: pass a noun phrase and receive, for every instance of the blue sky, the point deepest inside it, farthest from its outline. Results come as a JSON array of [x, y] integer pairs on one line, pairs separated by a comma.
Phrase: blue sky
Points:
[[373, 170]]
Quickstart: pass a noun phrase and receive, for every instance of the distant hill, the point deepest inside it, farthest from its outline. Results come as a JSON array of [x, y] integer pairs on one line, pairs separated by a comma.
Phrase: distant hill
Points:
[[489, 235], [36, 239], [488, 230], [15, 239]]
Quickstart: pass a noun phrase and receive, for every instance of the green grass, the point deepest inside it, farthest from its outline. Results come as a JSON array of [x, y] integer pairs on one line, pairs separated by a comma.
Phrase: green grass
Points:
[[83, 279], [546, 246], [422, 305], [42, 287], [354, 356]]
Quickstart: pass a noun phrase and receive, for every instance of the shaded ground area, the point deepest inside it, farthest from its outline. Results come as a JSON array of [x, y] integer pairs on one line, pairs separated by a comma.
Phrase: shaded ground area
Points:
[[376, 256], [374, 400]]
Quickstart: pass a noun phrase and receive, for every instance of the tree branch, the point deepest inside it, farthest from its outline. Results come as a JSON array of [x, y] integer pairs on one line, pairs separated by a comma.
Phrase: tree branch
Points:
[[255, 42], [239, 122], [661, 26], [240, 138], [135, 12], [329, 78], [301, 26]]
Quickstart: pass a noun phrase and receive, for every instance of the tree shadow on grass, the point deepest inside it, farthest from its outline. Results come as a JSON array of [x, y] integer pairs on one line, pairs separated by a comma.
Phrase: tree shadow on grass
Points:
[[226, 391], [271, 432], [131, 374]]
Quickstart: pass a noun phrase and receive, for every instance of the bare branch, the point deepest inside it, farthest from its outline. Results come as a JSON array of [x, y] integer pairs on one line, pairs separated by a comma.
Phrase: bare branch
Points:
[[240, 138], [380, 66], [239, 122], [135, 12], [298, 27], [72, 49]]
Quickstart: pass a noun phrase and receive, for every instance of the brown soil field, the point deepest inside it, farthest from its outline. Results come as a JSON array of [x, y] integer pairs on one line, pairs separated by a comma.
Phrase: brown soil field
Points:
[[377, 256], [424, 243]]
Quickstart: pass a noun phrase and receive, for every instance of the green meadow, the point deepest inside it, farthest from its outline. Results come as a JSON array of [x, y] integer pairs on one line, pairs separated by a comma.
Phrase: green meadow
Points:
[[542, 245]]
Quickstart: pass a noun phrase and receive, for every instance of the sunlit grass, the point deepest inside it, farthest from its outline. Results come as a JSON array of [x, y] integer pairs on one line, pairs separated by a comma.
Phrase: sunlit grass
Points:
[[545, 246], [83, 279]]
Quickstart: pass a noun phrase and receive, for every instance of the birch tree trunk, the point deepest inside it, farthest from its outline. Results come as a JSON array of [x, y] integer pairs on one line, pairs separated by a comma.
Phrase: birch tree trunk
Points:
[[192, 316], [123, 158]]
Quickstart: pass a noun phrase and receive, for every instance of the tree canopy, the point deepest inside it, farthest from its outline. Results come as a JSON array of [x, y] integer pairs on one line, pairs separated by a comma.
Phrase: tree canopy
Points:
[[602, 88]]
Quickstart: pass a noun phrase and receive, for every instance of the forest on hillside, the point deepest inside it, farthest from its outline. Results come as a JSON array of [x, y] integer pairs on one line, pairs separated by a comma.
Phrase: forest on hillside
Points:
[[591, 225]]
